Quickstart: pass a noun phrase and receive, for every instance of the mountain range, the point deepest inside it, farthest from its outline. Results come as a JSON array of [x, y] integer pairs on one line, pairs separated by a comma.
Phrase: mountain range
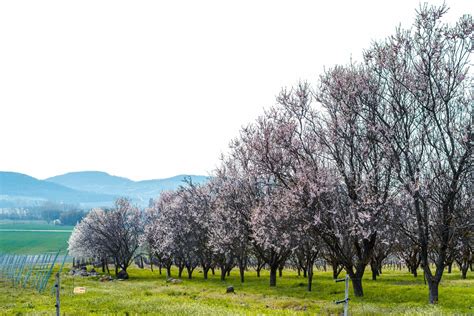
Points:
[[86, 188]]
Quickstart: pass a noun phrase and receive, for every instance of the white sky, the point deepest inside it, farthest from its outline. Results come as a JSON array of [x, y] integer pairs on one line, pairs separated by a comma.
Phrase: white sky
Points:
[[151, 89]]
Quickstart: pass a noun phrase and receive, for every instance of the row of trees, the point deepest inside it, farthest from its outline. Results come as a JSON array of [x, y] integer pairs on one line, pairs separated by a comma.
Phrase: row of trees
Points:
[[374, 161]]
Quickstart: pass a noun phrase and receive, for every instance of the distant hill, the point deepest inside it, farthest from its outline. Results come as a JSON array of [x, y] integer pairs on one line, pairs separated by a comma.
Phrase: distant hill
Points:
[[87, 188], [18, 186], [93, 181], [139, 191]]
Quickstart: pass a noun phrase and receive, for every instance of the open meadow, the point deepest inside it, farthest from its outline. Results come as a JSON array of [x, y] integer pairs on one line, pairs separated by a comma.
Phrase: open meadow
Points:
[[32, 237], [146, 292]]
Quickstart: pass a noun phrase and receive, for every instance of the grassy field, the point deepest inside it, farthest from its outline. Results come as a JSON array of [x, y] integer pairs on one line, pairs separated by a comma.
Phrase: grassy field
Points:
[[146, 292], [395, 292], [32, 237]]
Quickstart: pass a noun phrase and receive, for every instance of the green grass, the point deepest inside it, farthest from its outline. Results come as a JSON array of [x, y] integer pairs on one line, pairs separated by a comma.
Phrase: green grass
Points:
[[395, 292], [23, 241]]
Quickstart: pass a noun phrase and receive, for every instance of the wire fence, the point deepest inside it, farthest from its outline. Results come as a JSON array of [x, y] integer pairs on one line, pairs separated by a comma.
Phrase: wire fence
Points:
[[30, 271]]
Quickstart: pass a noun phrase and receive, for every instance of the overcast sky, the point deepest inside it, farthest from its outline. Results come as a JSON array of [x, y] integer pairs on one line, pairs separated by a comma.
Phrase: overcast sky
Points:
[[151, 89]]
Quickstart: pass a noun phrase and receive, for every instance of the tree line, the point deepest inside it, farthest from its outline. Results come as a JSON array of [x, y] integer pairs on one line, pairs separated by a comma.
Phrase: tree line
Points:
[[373, 162]]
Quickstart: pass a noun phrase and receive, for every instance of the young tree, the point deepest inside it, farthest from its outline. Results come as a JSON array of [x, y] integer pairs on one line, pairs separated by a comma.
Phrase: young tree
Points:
[[230, 233], [111, 233], [197, 201], [160, 230], [274, 231]]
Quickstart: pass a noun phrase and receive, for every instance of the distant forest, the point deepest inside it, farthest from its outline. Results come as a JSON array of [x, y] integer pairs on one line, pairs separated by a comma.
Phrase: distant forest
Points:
[[51, 212]]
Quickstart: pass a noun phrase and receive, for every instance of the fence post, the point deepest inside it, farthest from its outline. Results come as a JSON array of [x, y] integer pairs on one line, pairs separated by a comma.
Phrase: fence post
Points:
[[346, 295], [58, 287]]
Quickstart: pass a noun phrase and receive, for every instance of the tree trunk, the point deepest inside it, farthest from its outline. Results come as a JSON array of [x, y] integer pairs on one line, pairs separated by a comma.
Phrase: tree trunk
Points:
[[374, 275], [433, 288], [258, 271], [205, 271], [273, 275], [305, 273], [241, 271], [310, 276], [415, 272], [357, 286], [103, 265], [450, 266], [373, 268], [228, 272], [223, 273], [213, 271], [280, 271], [335, 270], [180, 271], [190, 272], [464, 269], [168, 272]]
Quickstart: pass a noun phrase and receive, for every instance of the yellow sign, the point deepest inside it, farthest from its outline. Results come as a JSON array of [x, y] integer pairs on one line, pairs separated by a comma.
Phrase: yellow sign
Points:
[[79, 290]]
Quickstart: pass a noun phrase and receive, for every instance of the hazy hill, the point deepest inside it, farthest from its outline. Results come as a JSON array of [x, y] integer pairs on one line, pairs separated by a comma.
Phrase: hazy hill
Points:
[[104, 183], [93, 181], [88, 188], [18, 186]]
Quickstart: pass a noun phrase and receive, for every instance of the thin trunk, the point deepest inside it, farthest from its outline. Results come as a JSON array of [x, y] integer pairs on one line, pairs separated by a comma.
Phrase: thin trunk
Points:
[[373, 268], [273, 274], [107, 266], [464, 269], [205, 271], [190, 272], [241, 272], [335, 270], [223, 273], [180, 271], [310, 276], [168, 272]]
